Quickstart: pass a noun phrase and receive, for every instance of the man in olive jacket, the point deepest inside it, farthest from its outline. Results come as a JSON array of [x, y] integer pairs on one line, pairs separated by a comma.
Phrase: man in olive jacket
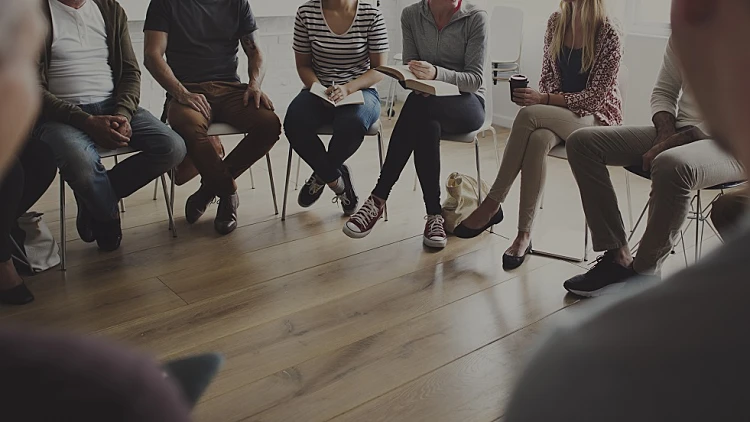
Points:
[[91, 85]]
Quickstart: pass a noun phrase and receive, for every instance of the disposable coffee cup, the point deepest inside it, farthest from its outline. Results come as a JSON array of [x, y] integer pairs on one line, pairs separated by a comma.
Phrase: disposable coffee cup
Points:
[[518, 81]]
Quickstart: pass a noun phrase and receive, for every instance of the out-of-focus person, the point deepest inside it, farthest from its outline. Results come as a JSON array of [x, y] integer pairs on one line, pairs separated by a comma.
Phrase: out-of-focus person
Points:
[[727, 212], [677, 351]]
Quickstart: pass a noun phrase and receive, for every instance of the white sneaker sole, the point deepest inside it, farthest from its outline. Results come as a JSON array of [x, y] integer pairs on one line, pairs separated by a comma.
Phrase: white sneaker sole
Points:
[[436, 244], [611, 289], [355, 235]]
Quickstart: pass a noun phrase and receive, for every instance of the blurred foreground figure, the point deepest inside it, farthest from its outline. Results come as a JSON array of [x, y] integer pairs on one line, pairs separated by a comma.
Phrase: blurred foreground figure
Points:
[[727, 213], [678, 351]]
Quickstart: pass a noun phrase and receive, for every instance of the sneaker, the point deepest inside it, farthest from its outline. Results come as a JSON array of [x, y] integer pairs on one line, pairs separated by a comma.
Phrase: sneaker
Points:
[[226, 215], [348, 199], [310, 192], [606, 275], [361, 223], [196, 204], [108, 234], [434, 232], [84, 223]]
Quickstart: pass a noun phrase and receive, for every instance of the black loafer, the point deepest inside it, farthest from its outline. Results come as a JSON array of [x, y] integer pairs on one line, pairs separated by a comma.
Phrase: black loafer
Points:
[[196, 204], [464, 232], [108, 234], [511, 262], [19, 295], [226, 215]]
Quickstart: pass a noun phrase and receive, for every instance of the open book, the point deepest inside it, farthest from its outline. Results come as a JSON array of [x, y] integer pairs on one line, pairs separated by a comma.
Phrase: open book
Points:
[[403, 74], [352, 99]]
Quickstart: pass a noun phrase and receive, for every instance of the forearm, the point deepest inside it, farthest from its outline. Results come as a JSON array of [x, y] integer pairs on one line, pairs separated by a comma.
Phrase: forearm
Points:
[[307, 76], [665, 124], [255, 68], [163, 74], [367, 80]]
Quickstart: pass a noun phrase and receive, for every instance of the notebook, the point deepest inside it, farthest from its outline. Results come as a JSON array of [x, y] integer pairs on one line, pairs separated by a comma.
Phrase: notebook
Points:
[[403, 74], [354, 98]]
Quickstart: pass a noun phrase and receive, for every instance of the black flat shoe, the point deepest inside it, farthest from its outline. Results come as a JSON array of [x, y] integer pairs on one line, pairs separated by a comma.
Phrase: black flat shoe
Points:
[[19, 295], [464, 232], [511, 262]]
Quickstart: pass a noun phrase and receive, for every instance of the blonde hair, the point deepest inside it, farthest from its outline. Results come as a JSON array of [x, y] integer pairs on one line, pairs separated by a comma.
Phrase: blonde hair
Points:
[[593, 15]]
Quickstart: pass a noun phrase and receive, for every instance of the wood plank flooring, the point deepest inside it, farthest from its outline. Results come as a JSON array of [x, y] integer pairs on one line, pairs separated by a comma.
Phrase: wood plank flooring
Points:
[[316, 326]]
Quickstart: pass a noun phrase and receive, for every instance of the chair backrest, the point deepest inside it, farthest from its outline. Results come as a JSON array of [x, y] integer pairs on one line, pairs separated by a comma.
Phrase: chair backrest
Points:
[[623, 80], [506, 29]]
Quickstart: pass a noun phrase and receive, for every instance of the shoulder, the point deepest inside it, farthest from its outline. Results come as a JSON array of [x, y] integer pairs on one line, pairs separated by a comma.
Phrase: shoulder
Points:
[[113, 5], [368, 12], [610, 30], [411, 12], [554, 20], [309, 8]]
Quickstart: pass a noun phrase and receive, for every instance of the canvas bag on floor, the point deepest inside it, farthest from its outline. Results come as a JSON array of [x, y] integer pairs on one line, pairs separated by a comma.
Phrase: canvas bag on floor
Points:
[[40, 247], [462, 199]]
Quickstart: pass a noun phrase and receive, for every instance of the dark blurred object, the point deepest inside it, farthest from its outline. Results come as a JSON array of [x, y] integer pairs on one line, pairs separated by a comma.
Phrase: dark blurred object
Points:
[[52, 377], [194, 374], [727, 212]]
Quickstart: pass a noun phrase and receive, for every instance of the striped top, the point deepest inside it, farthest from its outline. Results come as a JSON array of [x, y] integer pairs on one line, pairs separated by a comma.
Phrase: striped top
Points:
[[339, 58]]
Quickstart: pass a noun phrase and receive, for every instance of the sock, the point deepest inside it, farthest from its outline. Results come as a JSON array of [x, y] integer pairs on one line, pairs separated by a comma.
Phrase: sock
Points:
[[339, 186]]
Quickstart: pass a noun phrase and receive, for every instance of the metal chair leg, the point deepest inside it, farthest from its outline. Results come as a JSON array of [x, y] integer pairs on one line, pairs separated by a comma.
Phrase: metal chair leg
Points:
[[630, 199], [122, 202], [172, 226], [585, 239], [286, 183], [171, 191], [380, 157], [252, 179], [273, 185], [63, 238], [296, 178], [479, 172], [497, 151], [156, 189]]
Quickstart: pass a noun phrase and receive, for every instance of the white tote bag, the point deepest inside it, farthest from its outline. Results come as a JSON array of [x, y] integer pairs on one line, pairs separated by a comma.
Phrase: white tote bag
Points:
[[462, 199], [40, 247]]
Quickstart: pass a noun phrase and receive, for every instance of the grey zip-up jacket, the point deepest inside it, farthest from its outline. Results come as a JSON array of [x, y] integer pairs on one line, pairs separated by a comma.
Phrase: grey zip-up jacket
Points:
[[458, 52]]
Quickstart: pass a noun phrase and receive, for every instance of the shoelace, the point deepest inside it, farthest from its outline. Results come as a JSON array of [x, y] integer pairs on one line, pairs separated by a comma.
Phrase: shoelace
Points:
[[435, 225], [315, 187], [343, 199], [366, 214]]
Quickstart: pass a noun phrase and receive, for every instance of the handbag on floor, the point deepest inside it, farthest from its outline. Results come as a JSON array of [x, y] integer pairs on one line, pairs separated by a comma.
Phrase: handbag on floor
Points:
[[462, 199], [39, 247]]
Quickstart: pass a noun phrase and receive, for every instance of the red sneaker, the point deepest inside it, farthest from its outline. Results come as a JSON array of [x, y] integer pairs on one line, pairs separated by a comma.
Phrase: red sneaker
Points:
[[434, 232], [362, 222]]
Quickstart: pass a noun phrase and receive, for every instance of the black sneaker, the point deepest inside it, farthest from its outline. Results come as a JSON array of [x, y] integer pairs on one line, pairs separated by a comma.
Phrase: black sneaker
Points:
[[226, 215], [310, 192], [84, 223], [348, 199], [196, 204], [108, 234], [605, 275]]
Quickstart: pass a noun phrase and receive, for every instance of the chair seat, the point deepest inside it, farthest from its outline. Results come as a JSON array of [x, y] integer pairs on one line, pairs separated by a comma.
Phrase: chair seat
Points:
[[218, 129], [465, 138], [638, 171], [559, 151], [107, 153], [374, 129]]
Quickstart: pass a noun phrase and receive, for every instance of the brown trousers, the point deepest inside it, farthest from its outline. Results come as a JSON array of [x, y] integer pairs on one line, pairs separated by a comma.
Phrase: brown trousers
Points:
[[262, 127]]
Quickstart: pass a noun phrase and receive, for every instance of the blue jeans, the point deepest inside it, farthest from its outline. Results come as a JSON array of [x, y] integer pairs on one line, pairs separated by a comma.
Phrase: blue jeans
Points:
[[81, 166], [307, 113]]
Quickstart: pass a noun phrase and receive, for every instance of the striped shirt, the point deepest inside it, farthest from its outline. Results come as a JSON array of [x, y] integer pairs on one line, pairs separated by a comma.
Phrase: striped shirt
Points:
[[339, 58]]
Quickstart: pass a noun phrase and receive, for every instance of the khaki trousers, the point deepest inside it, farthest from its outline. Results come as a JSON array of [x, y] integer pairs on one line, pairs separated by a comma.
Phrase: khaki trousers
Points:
[[674, 175], [262, 126], [536, 130]]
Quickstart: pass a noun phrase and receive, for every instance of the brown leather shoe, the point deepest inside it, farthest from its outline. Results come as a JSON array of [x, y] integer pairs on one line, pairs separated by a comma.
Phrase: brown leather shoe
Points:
[[226, 215], [196, 204]]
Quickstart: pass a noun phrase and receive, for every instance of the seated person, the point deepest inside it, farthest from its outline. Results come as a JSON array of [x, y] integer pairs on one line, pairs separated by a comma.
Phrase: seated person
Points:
[[578, 89], [200, 40], [338, 45], [461, 29], [681, 158], [728, 211], [28, 178], [21, 36], [91, 85]]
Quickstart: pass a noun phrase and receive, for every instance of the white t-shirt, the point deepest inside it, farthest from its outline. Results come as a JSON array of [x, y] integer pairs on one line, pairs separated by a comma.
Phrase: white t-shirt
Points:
[[79, 70]]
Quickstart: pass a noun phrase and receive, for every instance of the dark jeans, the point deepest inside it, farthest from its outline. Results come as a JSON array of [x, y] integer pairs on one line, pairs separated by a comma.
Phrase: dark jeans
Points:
[[81, 166], [307, 113], [418, 130], [29, 177], [262, 126]]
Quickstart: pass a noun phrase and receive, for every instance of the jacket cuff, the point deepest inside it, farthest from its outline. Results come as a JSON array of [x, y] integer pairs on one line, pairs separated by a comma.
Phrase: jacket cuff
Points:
[[124, 112], [78, 118]]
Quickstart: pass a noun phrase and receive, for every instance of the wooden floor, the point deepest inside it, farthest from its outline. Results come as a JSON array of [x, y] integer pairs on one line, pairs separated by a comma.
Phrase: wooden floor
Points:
[[316, 326]]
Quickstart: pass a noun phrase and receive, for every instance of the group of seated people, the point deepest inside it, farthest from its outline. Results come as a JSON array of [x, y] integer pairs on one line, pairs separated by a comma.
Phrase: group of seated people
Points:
[[90, 83]]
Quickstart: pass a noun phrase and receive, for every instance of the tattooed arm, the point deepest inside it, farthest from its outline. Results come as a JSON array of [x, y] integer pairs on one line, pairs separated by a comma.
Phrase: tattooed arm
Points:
[[256, 72]]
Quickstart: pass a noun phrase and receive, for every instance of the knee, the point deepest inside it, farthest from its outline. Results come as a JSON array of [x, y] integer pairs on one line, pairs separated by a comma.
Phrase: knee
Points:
[[268, 129], [578, 144], [298, 128], [174, 149], [670, 171], [527, 115], [354, 128], [81, 170]]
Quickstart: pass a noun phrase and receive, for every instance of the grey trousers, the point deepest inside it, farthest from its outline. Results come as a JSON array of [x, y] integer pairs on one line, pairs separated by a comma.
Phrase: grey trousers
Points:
[[536, 130], [674, 175]]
